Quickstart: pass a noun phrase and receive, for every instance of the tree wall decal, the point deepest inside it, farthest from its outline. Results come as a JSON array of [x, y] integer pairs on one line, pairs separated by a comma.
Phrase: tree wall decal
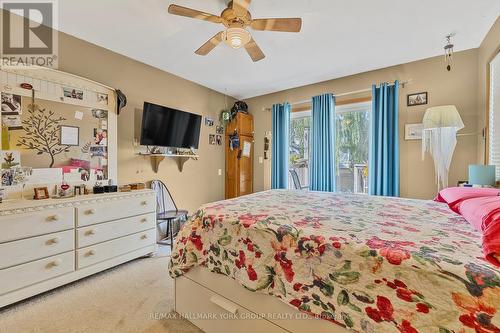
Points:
[[42, 133]]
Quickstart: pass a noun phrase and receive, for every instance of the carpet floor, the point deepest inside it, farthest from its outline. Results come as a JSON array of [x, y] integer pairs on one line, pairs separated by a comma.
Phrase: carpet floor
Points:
[[135, 297]]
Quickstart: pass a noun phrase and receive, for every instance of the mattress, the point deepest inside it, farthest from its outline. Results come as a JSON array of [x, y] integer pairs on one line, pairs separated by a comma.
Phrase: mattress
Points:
[[369, 264]]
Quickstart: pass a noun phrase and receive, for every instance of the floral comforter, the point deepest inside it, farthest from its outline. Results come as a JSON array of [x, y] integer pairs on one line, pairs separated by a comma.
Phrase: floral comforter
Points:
[[370, 264]]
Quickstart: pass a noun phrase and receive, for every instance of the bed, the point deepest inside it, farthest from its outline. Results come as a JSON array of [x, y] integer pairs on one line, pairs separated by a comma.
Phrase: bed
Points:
[[323, 262]]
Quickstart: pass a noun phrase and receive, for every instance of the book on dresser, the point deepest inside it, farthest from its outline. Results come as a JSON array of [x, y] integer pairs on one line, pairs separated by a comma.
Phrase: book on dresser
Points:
[[48, 243]]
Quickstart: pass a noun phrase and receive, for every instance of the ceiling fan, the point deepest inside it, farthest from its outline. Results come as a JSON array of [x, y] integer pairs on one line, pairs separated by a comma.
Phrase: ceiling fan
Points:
[[236, 18]]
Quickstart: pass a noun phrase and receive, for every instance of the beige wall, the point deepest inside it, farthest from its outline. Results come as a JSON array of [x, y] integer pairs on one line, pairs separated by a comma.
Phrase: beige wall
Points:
[[488, 49], [199, 182], [458, 87]]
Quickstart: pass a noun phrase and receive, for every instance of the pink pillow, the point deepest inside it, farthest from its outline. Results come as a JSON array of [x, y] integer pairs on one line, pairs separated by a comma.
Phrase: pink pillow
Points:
[[454, 196], [484, 215]]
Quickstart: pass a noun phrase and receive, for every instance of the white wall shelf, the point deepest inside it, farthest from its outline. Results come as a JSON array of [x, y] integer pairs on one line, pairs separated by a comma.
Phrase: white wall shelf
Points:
[[156, 159]]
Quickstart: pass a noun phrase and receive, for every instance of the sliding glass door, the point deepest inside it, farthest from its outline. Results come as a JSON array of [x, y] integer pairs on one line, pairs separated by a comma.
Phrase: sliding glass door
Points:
[[352, 140], [351, 148], [300, 129]]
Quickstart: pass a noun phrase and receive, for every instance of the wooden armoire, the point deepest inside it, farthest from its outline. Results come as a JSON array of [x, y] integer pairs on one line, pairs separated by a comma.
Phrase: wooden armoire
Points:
[[239, 162]]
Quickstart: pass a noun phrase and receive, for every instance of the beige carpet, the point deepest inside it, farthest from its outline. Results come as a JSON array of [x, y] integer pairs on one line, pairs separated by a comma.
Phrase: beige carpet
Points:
[[134, 297]]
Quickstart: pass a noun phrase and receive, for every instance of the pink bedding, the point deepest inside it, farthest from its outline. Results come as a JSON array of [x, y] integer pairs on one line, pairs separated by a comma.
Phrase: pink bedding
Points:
[[481, 208]]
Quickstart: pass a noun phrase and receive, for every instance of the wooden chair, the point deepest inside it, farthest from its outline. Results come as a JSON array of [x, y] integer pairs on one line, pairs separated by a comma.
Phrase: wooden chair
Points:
[[166, 211]]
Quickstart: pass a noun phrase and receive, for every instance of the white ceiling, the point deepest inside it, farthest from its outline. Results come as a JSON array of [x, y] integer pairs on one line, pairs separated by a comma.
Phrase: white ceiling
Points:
[[338, 38]]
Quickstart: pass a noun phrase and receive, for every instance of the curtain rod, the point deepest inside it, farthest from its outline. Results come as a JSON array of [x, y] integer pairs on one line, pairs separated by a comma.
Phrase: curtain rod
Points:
[[402, 83]]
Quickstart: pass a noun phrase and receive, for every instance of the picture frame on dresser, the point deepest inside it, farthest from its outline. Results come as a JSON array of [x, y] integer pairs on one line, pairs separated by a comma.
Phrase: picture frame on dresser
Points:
[[41, 193]]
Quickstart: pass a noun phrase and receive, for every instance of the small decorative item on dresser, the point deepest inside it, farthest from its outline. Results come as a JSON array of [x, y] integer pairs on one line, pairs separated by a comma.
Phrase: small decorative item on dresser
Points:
[[110, 188], [125, 188], [137, 186], [98, 188], [41, 193]]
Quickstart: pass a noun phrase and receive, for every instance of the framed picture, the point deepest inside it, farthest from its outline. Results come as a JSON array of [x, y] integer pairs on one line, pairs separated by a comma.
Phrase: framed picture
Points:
[[100, 137], [70, 136], [73, 93], [7, 177], [413, 131], [10, 158], [102, 99], [417, 99], [209, 122], [211, 139], [218, 138], [41, 193], [219, 129], [11, 104], [13, 122], [98, 151]]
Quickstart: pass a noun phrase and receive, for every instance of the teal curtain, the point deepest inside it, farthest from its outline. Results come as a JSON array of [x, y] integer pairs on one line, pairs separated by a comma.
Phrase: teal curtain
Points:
[[384, 149], [279, 162], [322, 165]]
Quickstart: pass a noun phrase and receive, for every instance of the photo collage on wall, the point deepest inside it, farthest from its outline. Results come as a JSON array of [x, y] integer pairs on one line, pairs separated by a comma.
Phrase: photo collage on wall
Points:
[[11, 111], [99, 148], [214, 139]]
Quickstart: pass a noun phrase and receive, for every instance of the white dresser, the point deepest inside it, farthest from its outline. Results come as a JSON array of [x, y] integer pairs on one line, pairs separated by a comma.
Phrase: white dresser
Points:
[[48, 243]]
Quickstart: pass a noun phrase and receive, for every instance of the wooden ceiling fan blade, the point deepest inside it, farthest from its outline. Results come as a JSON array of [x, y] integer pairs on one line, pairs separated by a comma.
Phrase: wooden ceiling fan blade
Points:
[[210, 44], [254, 51], [277, 24], [193, 13], [241, 6]]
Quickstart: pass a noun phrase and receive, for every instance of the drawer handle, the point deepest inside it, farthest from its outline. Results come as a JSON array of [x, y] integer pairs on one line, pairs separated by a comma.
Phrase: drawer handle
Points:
[[53, 241], [144, 237], [144, 220], [144, 203], [53, 218], [90, 211], [90, 253], [224, 304], [89, 233], [54, 263]]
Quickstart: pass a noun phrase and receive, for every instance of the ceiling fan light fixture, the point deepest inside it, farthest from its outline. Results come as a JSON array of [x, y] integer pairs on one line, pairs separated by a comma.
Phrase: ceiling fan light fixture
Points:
[[236, 37]]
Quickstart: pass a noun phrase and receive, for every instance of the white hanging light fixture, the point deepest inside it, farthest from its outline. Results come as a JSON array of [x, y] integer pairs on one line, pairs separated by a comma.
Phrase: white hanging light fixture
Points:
[[439, 138]]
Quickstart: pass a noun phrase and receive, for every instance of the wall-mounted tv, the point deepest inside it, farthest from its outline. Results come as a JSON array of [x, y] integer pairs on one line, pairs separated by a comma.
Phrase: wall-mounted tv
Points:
[[166, 127]]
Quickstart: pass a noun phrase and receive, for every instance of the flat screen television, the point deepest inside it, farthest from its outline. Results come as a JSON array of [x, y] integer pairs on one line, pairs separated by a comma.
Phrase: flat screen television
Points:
[[166, 127]]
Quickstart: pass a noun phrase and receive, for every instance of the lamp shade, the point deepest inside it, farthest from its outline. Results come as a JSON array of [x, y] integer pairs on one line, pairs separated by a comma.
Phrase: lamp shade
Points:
[[445, 116], [482, 174]]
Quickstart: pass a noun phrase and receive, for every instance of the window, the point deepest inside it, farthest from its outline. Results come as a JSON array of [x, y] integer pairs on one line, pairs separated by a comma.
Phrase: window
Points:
[[300, 125], [351, 148], [352, 137], [494, 115]]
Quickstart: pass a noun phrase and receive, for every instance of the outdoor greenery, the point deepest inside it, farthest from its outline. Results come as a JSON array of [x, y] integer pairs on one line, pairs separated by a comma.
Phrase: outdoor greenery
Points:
[[351, 146], [352, 137], [299, 139]]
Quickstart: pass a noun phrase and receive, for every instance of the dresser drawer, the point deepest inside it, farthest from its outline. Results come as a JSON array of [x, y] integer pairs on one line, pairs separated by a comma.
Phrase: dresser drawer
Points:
[[94, 234], [33, 224], [214, 313], [22, 251], [114, 210], [114, 248], [37, 271]]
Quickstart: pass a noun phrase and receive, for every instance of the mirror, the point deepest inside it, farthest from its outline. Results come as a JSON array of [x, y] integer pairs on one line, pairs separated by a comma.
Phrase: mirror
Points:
[[53, 138]]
